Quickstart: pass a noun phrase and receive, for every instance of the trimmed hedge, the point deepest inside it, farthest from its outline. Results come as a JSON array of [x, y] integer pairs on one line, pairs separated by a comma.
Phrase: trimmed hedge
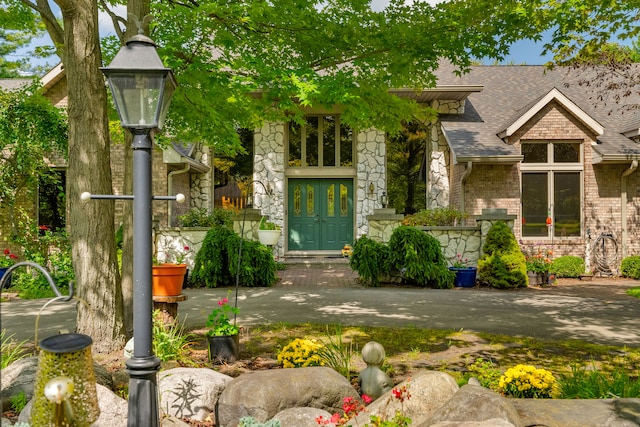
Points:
[[630, 267], [567, 266]]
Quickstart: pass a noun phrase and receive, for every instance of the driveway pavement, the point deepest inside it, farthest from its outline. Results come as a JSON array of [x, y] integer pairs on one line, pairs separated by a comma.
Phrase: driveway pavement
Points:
[[599, 311]]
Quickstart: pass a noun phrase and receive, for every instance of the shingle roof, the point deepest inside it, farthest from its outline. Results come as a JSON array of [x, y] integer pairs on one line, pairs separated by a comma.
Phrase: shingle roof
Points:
[[509, 91]]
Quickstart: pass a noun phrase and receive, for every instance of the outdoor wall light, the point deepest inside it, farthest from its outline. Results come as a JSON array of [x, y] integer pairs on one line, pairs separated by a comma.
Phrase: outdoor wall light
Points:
[[384, 201]]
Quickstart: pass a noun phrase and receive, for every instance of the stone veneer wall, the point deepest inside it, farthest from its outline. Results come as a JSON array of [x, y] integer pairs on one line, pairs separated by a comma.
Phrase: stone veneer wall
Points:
[[438, 185], [201, 192], [371, 168], [466, 241], [268, 168]]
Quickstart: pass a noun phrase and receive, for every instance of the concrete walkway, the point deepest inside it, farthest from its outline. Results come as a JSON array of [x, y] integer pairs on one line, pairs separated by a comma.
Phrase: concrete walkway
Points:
[[599, 311]]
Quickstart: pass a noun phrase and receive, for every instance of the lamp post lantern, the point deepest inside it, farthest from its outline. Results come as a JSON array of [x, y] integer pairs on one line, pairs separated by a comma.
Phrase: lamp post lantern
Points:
[[142, 89]]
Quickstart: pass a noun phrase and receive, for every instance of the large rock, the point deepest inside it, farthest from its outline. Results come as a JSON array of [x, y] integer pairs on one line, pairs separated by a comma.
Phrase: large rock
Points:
[[262, 394], [190, 392], [20, 377], [473, 403], [579, 412], [493, 422], [301, 417], [429, 391], [113, 409]]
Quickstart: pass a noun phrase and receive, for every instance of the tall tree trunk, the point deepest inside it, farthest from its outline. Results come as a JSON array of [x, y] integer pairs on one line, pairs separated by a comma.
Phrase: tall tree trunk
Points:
[[91, 225]]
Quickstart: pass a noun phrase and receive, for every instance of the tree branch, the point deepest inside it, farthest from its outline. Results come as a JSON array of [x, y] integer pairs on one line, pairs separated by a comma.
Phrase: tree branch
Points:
[[115, 20]]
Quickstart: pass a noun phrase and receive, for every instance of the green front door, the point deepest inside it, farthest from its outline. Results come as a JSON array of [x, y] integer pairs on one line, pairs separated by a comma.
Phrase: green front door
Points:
[[320, 214]]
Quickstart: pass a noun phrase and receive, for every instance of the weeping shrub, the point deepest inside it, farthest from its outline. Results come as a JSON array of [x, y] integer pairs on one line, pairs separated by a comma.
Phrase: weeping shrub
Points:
[[370, 259], [419, 257], [216, 262], [503, 264]]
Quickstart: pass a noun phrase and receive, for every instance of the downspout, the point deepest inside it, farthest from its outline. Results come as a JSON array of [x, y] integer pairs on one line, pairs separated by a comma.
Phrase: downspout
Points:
[[623, 204], [170, 189], [463, 179]]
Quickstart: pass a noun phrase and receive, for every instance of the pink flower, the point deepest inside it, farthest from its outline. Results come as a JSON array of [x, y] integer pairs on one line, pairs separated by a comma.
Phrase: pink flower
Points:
[[366, 399]]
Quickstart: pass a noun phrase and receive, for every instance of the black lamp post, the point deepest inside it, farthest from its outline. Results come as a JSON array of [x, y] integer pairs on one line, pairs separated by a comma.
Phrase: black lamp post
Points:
[[142, 89]]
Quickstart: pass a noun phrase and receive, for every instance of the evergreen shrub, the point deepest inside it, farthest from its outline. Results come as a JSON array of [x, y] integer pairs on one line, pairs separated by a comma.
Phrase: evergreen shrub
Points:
[[412, 253], [567, 266], [503, 264], [630, 267], [216, 262], [370, 259]]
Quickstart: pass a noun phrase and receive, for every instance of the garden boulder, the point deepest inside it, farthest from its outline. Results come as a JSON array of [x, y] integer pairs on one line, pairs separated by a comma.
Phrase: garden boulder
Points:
[[473, 403], [190, 392], [429, 390], [262, 394]]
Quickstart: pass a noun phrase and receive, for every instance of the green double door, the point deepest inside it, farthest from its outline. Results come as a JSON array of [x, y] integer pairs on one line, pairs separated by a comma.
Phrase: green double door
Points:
[[320, 214]]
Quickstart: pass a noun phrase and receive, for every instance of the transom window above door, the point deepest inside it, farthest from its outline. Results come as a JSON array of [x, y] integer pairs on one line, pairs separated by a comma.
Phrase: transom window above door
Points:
[[321, 142]]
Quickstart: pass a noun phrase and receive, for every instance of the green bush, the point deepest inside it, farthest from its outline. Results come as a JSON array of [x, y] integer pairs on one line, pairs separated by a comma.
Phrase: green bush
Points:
[[567, 266], [503, 264], [630, 267], [412, 253], [419, 257], [200, 217], [216, 263], [436, 217], [370, 259]]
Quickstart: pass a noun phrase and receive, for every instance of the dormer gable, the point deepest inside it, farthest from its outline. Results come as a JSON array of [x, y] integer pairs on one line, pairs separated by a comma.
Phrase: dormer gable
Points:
[[554, 95]]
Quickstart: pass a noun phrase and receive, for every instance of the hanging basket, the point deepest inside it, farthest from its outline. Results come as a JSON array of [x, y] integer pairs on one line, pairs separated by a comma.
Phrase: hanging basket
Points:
[[268, 237], [168, 279]]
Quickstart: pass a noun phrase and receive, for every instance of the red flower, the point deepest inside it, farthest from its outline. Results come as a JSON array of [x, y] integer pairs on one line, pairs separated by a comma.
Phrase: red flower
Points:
[[7, 251], [186, 248], [13, 256]]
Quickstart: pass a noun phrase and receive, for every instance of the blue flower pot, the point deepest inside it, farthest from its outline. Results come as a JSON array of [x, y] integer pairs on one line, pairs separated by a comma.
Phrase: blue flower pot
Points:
[[465, 276], [3, 270]]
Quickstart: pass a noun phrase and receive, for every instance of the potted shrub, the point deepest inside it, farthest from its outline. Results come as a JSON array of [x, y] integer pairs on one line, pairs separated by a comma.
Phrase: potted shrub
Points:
[[465, 274], [223, 337], [168, 277], [268, 232]]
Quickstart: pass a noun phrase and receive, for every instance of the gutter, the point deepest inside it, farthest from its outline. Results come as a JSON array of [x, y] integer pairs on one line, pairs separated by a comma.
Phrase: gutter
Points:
[[623, 204], [186, 169]]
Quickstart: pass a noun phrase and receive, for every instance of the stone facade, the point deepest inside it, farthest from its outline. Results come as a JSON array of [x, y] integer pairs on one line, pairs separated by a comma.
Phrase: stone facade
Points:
[[371, 157], [438, 182]]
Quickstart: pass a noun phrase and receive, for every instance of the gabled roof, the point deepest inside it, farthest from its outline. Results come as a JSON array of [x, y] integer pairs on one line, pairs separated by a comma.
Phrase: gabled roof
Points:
[[513, 94], [536, 106]]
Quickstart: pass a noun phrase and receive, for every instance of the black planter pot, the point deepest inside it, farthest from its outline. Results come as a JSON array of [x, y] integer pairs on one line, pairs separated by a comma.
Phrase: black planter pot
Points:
[[225, 348]]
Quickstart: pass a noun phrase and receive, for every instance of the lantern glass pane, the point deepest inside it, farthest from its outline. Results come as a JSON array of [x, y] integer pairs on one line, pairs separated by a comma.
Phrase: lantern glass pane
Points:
[[137, 98]]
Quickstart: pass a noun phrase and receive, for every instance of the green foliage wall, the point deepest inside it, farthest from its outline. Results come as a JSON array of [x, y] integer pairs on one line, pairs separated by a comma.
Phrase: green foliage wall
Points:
[[503, 264]]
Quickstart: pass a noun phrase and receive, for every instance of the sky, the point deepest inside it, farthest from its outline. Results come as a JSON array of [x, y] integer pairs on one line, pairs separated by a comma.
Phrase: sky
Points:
[[523, 52]]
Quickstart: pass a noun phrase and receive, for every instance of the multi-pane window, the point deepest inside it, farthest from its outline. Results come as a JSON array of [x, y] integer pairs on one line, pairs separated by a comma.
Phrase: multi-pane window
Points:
[[551, 188], [321, 142]]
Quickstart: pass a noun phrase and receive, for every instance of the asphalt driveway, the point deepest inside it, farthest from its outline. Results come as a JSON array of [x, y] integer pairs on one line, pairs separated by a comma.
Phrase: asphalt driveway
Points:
[[599, 311]]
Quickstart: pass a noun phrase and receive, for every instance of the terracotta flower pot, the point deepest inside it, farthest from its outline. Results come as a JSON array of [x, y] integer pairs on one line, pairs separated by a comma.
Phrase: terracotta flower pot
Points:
[[168, 279]]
